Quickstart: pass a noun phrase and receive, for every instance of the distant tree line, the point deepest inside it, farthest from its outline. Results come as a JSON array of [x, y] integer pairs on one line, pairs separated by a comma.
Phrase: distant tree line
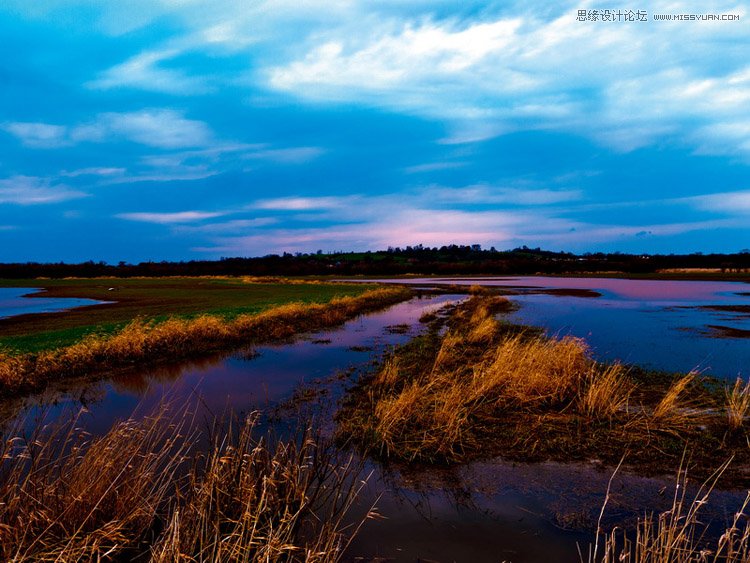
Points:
[[444, 260]]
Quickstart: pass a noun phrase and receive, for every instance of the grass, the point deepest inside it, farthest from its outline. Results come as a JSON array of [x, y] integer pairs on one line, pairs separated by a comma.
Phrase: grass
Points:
[[738, 404], [678, 535], [477, 387], [148, 341], [141, 492], [155, 299]]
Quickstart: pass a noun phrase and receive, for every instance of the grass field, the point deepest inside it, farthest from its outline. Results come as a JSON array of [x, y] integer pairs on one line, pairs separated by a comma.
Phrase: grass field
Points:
[[150, 298]]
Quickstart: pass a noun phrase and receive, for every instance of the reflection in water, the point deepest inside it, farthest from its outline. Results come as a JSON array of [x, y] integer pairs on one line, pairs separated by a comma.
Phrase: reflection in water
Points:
[[658, 324]]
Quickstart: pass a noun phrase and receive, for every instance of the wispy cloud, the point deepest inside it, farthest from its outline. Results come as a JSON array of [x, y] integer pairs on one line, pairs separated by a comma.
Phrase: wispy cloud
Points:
[[232, 227], [144, 72], [29, 190], [38, 135], [434, 166], [293, 155], [94, 171], [169, 218], [161, 128], [486, 194], [302, 203], [732, 203]]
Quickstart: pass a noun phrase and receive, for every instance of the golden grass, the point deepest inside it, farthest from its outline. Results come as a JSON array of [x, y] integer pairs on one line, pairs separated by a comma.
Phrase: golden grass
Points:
[[442, 397], [527, 370], [429, 413], [607, 392], [67, 497], [678, 535], [737, 403], [144, 341], [140, 492], [672, 412]]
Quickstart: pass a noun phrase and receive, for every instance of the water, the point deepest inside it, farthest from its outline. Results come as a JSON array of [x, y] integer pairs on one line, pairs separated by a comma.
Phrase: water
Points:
[[664, 325], [483, 512], [14, 301]]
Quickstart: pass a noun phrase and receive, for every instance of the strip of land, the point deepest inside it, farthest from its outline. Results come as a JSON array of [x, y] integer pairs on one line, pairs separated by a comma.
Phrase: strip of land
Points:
[[145, 340], [153, 299], [475, 387]]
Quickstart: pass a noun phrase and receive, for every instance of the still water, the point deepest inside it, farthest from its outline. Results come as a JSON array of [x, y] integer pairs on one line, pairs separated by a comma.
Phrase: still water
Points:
[[664, 325], [14, 301]]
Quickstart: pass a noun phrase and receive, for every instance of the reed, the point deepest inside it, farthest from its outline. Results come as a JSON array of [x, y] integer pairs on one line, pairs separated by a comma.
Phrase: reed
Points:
[[607, 392], [737, 403], [142, 492], [672, 412], [69, 497], [678, 535]]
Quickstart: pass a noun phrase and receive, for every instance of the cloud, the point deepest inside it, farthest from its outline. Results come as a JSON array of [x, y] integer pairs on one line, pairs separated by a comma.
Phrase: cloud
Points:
[[501, 72], [232, 227], [411, 226], [160, 128], [29, 190], [169, 218], [483, 68], [38, 135], [732, 203], [433, 166], [143, 72], [303, 203], [94, 171], [293, 155], [485, 194]]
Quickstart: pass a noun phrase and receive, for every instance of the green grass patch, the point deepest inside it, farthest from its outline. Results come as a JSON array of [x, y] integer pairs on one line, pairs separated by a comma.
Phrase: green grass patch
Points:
[[153, 299]]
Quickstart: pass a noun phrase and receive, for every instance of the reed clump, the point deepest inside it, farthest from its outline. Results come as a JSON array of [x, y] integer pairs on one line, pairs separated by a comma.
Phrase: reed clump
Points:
[[738, 403], [607, 392], [146, 341], [142, 492], [476, 386]]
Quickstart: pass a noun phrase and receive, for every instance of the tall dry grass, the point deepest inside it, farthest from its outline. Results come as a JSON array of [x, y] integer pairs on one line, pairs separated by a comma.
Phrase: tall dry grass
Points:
[[737, 403], [433, 402], [678, 535], [673, 412], [142, 493], [68, 497], [428, 411], [607, 392], [143, 341]]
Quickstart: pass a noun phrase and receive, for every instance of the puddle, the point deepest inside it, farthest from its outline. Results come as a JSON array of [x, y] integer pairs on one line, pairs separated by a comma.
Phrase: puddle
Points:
[[14, 302]]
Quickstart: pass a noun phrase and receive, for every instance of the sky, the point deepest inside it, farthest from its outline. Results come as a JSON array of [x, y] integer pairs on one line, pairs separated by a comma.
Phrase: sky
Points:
[[199, 129]]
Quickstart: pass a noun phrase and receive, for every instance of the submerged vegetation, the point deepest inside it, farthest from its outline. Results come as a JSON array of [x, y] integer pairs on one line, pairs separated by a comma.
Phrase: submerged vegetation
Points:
[[142, 492], [473, 386], [148, 341]]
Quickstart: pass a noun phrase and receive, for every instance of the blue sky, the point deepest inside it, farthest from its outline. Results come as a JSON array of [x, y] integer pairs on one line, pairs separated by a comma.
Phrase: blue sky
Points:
[[180, 129]]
